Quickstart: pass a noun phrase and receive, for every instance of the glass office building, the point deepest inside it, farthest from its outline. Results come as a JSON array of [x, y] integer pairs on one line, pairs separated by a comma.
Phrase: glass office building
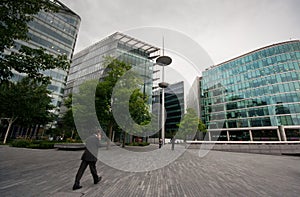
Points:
[[57, 33], [174, 106], [255, 96], [88, 63]]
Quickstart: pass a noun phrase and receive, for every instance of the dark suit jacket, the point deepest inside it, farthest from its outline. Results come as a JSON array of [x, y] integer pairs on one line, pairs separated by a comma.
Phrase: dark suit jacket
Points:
[[92, 144]]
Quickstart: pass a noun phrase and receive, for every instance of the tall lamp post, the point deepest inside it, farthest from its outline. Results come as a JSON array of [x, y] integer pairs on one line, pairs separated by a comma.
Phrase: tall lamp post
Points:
[[163, 61]]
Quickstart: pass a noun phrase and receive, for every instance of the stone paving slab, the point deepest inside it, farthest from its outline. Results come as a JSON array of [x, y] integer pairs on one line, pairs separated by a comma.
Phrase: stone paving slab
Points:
[[29, 172]]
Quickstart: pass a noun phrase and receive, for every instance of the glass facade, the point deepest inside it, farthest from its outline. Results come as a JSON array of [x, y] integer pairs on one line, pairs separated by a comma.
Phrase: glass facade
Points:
[[57, 33], [257, 91], [174, 105], [88, 63]]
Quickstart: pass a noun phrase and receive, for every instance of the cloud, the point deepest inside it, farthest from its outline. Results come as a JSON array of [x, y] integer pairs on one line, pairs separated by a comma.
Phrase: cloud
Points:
[[225, 29]]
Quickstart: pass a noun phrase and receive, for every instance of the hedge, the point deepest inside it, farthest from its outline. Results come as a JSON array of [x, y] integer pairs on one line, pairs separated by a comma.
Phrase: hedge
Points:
[[138, 144], [37, 144]]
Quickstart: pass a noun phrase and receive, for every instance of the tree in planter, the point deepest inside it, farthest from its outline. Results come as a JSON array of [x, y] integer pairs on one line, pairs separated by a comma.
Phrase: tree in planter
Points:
[[14, 17], [26, 101]]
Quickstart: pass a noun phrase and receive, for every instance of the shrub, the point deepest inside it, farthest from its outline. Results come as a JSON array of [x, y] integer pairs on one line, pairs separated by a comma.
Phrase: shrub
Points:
[[138, 144], [37, 144], [22, 143], [46, 145], [143, 143]]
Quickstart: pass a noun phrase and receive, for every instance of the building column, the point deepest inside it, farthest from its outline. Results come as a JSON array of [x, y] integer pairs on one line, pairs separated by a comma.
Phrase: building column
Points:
[[228, 137], [278, 134], [251, 137], [282, 132]]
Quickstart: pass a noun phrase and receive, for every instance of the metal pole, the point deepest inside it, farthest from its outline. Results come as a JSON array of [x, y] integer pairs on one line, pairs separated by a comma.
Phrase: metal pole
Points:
[[163, 110]]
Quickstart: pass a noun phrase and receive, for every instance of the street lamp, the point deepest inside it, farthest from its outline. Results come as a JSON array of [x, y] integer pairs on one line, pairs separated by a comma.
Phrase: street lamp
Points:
[[163, 61]]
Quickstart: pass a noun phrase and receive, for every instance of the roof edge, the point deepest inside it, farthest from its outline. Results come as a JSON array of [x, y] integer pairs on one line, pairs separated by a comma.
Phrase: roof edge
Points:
[[259, 49]]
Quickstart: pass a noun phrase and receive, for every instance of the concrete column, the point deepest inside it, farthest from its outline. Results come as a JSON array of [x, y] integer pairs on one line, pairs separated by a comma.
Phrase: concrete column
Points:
[[209, 136], [282, 132], [228, 137], [278, 134], [251, 137]]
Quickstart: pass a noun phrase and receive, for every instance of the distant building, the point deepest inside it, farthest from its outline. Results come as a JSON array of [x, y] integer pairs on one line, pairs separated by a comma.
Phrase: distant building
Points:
[[255, 96], [174, 105], [57, 33], [193, 96]]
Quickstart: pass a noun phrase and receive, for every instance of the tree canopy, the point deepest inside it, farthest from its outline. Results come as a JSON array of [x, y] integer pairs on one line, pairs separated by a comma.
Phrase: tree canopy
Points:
[[190, 124], [121, 90], [94, 98], [25, 101]]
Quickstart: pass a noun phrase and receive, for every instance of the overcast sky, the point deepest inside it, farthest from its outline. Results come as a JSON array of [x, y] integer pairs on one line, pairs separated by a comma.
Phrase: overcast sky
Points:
[[224, 28]]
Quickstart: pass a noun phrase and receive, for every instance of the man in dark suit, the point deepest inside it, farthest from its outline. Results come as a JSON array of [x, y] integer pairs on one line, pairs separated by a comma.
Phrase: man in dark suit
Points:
[[89, 158]]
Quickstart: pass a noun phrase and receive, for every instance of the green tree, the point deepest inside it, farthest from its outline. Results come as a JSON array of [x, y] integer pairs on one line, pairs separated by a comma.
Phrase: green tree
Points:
[[98, 96], [68, 124], [189, 124], [138, 108], [83, 108], [14, 17], [114, 70], [26, 101], [125, 96]]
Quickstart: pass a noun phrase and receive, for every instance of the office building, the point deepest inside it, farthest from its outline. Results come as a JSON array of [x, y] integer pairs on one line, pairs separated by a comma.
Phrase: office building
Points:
[[255, 96], [174, 106], [57, 33], [88, 63]]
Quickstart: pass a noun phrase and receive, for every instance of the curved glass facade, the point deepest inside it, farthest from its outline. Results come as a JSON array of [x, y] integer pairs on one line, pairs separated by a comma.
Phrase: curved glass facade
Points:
[[257, 92], [57, 33]]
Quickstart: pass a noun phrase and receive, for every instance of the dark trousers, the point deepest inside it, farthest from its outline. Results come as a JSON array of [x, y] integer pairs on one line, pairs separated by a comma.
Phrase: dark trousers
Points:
[[83, 166]]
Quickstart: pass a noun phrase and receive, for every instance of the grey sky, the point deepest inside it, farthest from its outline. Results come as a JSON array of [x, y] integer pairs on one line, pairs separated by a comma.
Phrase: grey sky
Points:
[[224, 28]]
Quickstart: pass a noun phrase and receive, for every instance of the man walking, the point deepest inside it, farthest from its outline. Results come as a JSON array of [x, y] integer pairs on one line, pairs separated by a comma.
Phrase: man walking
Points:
[[89, 158]]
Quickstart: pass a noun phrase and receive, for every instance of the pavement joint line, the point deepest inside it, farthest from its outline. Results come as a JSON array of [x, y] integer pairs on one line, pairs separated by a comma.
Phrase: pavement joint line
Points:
[[11, 185]]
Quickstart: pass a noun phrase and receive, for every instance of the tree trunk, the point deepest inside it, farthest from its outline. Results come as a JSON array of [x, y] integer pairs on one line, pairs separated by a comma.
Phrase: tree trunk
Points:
[[11, 133], [30, 132], [10, 122], [19, 132], [109, 136], [37, 131], [72, 133], [26, 135], [124, 137], [43, 131], [113, 136], [34, 131]]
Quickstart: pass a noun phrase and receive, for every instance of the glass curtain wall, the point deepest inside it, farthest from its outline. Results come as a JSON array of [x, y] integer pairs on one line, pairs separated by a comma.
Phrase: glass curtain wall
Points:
[[259, 89]]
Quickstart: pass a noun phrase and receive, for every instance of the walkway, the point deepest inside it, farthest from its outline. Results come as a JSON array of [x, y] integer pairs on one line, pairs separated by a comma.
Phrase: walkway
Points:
[[28, 172]]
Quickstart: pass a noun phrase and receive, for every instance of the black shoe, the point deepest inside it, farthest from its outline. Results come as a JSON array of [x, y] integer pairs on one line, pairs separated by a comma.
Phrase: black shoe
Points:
[[75, 187], [98, 180]]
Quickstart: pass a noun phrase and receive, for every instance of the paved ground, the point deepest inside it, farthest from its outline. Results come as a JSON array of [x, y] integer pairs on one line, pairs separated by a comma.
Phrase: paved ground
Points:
[[27, 172]]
